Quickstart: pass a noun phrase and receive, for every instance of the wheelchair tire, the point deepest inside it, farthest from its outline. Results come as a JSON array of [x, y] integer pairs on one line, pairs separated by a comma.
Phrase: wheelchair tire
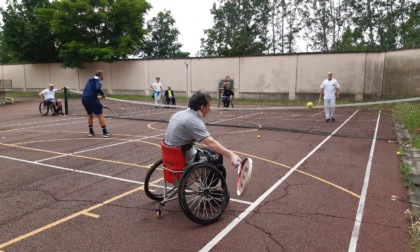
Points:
[[154, 184], [44, 110], [203, 194]]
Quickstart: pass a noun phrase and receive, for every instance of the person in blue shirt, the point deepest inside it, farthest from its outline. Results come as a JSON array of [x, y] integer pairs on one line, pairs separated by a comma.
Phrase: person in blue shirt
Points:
[[92, 104]]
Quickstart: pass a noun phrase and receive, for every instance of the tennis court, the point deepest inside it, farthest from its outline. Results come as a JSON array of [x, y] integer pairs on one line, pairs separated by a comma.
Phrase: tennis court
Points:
[[315, 187]]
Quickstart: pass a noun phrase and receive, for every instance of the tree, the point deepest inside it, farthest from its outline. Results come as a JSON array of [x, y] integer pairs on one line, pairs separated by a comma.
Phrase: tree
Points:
[[322, 21], [27, 36], [161, 42], [89, 30], [410, 30], [240, 28]]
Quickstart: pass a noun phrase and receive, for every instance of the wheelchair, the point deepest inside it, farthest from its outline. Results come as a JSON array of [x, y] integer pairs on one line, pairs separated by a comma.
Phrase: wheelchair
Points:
[[168, 101], [199, 187], [45, 107], [225, 99]]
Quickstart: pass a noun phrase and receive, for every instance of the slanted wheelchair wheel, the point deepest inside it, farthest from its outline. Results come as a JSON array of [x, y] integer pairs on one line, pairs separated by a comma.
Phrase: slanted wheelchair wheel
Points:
[[203, 194], [44, 110], [154, 184]]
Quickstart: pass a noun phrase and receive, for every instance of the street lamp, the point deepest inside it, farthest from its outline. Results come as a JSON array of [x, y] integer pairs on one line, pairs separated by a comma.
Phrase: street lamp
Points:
[[186, 91]]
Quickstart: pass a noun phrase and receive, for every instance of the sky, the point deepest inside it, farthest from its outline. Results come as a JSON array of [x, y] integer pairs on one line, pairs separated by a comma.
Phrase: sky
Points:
[[191, 18]]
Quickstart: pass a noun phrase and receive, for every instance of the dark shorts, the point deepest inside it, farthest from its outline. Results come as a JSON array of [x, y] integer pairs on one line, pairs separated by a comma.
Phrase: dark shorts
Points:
[[92, 106]]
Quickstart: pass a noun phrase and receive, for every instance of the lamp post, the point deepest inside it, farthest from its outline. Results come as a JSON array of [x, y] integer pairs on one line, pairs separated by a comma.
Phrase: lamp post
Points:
[[186, 91]]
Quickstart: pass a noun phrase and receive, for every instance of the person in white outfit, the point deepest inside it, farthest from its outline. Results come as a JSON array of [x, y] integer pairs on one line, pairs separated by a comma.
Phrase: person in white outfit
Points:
[[330, 89], [157, 88]]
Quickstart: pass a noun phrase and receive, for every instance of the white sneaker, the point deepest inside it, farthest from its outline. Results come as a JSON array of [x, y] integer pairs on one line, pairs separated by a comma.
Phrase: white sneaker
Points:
[[107, 134], [91, 134]]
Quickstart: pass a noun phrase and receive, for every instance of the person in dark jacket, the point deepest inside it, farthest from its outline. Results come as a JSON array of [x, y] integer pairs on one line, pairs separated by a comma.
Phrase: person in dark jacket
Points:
[[170, 96], [92, 104]]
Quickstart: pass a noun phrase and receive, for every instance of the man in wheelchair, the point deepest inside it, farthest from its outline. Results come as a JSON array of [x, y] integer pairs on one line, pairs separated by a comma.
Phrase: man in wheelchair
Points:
[[227, 96], [169, 96], [187, 126], [48, 96]]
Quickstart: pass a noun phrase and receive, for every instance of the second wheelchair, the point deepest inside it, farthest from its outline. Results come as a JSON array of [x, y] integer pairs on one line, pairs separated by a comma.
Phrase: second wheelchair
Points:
[[46, 106]]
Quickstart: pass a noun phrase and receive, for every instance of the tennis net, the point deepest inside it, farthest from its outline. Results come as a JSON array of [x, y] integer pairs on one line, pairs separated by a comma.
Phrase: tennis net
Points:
[[352, 120]]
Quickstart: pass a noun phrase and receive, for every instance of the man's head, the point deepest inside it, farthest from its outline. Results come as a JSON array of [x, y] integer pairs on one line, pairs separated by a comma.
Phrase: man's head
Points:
[[157, 79], [169, 87], [329, 75], [100, 74], [51, 86], [200, 101]]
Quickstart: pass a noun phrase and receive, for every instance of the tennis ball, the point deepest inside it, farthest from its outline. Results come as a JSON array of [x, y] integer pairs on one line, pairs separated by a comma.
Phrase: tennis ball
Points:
[[309, 105], [258, 136], [399, 153]]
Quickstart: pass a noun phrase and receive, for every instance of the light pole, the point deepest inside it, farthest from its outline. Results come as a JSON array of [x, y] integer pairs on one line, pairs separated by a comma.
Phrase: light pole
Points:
[[186, 65]]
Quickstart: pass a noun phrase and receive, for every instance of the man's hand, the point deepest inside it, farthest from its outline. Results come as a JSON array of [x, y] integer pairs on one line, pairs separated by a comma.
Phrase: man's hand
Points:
[[103, 97], [235, 159]]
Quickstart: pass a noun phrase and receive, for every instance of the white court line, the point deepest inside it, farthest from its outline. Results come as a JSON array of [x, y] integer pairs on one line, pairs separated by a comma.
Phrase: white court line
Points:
[[45, 126], [74, 170], [360, 208], [230, 119], [251, 208], [97, 148], [31, 123]]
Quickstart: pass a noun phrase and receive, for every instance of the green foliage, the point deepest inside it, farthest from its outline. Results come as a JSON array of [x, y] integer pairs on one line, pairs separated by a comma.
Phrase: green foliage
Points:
[[405, 170], [27, 36], [410, 30], [90, 30], [240, 28], [161, 42]]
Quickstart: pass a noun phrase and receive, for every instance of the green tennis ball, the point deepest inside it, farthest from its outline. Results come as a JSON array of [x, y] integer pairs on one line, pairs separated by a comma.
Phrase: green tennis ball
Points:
[[309, 105]]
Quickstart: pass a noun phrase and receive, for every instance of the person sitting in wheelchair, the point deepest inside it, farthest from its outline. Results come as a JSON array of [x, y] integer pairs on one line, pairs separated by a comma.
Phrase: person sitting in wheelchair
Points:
[[169, 96], [187, 126], [227, 95], [48, 95]]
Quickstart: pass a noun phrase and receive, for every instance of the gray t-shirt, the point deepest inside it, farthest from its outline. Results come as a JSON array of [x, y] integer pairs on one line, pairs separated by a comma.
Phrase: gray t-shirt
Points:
[[186, 127]]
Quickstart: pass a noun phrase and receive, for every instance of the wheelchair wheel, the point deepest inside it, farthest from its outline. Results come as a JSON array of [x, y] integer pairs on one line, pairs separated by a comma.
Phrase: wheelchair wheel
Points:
[[154, 184], [45, 109], [203, 193]]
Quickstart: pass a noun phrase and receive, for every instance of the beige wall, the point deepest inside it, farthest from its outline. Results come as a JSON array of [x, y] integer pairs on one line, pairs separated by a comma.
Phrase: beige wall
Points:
[[297, 76]]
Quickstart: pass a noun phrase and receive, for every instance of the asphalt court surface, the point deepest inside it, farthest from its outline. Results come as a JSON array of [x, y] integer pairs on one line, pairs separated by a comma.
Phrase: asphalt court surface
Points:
[[63, 191]]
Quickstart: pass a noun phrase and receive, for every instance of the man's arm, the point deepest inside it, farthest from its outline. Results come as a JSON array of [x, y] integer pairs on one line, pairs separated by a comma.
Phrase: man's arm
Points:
[[41, 94], [320, 93], [217, 147], [337, 92], [98, 87]]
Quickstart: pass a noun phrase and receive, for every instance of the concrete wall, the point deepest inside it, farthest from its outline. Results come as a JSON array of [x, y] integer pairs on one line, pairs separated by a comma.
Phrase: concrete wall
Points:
[[286, 77]]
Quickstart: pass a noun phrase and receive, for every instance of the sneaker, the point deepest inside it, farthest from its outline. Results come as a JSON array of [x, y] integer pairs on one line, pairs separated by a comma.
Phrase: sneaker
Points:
[[107, 134], [327, 120], [91, 134], [333, 119]]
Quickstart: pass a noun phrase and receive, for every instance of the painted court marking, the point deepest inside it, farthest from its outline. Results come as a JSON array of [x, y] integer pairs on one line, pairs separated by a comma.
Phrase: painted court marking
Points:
[[361, 207], [251, 208]]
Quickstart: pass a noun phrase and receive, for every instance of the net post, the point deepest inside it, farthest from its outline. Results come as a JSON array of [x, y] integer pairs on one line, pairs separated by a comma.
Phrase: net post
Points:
[[66, 104]]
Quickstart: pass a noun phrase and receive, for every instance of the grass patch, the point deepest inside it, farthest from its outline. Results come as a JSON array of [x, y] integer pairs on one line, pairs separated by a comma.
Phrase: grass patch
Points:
[[405, 170], [414, 220], [409, 114]]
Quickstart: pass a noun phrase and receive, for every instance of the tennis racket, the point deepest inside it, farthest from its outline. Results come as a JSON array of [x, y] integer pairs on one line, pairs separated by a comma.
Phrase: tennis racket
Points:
[[110, 110], [244, 175]]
